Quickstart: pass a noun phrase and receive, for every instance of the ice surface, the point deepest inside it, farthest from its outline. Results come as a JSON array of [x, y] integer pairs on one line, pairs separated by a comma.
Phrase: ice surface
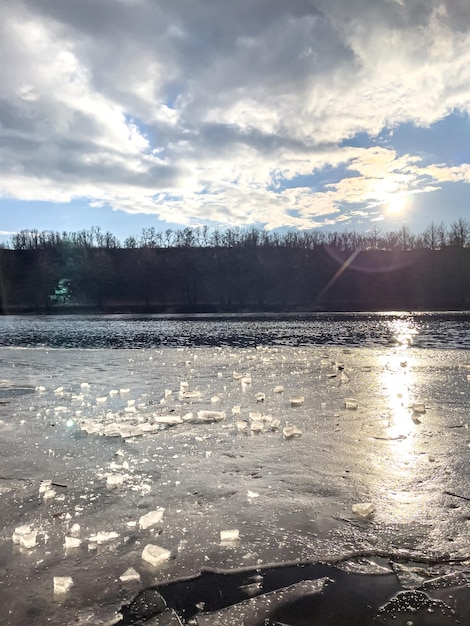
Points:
[[205, 472]]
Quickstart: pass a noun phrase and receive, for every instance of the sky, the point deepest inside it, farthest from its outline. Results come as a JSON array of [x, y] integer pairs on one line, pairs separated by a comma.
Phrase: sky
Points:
[[127, 114]]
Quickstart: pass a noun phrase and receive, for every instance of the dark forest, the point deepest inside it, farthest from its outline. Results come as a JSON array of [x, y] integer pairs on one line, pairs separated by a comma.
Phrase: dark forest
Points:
[[236, 270]]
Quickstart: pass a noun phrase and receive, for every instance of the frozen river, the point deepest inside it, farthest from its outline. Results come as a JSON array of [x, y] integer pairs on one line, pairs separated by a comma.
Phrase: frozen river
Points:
[[171, 432]]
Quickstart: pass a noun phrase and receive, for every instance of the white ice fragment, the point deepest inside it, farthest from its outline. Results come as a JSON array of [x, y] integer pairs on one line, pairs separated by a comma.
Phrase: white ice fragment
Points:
[[190, 395], [351, 404], [170, 420], [215, 399], [103, 537], [418, 407], [130, 409], [20, 531], [236, 410], [62, 584], [72, 542], [260, 397], [237, 376], [229, 535], [241, 426], [211, 416], [84, 385], [365, 510], [28, 540], [151, 518], [113, 392], [114, 480], [278, 389], [184, 385], [75, 530], [344, 378], [49, 494], [255, 416], [130, 575], [246, 380], [59, 391], [252, 494], [256, 427], [275, 424], [291, 431], [40, 388], [44, 485], [168, 393], [124, 391], [154, 555], [130, 402], [296, 400]]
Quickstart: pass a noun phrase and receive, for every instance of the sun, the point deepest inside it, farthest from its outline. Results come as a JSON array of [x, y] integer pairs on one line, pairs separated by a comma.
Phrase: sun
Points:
[[395, 204]]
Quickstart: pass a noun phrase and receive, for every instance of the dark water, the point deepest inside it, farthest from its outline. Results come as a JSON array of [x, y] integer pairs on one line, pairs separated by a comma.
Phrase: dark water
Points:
[[424, 330]]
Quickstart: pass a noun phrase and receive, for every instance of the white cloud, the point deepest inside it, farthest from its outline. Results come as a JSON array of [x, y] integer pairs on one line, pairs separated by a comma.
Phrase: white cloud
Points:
[[199, 111]]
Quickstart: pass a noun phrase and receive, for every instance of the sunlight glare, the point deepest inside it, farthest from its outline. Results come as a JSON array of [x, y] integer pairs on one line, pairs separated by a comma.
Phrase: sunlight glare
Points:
[[395, 204]]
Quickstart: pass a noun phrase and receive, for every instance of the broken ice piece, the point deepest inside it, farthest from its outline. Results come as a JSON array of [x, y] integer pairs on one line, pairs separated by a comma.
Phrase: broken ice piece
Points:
[[84, 385], [256, 427], [28, 540], [72, 542], [20, 531], [291, 431], [44, 485], [229, 535], [151, 518], [351, 404], [130, 575], [154, 555], [62, 584], [241, 426], [365, 510], [275, 424], [418, 407], [278, 389], [236, 410], [296, 400], [75, 530], [114, 480], [103, 537], [260, 397], [49, 494], [246, 380], [252, 494]]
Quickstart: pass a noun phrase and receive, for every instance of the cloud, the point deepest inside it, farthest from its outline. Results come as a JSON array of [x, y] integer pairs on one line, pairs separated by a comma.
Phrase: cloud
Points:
[[200, 111]]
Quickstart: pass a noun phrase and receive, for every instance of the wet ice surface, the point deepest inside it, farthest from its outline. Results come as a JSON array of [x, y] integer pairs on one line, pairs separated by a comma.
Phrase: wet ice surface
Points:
[[120, 434]]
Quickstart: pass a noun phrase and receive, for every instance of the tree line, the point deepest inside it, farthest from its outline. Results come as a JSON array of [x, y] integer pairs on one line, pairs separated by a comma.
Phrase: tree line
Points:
[[199, 269]]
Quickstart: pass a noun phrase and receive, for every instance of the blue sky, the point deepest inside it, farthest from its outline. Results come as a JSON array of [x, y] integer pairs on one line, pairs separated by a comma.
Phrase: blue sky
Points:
[[125, 114]]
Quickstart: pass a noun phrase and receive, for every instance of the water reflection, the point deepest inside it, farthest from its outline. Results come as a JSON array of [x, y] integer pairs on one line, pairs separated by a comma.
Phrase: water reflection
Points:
[[403, 331]]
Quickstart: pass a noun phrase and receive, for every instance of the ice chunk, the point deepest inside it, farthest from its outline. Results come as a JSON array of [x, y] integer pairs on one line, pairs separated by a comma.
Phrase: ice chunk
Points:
[[255, 416], [190, 395], [62, 584], [102, 399], [40, 388], [418, 407], [20, 531], [296, 400], [246, 380], [49, 494], [229, 535], [151, 518], [215, 399], [252, 494], [241, 426], [130, 575], [103, 537], [275, 424], [168, 393], [114, 480], [290, 431], [124, 390], [113, 392], [75, 530], [211, 416], [169, 420], [278, 389], [28, 540], [236, 410], [59, 391], [351, 404], [84, 385], [184, 385], [72, 542], [237, 376], [366, 510], [256, 427], [260, 397], [154, 555]]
